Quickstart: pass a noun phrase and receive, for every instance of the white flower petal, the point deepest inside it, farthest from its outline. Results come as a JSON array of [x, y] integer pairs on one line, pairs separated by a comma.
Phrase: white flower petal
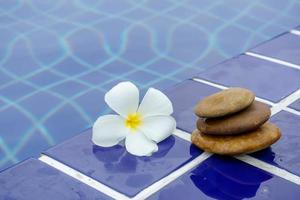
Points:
[[155, 103], [123, 98], [158, 128], [138, 144], [109, 130]]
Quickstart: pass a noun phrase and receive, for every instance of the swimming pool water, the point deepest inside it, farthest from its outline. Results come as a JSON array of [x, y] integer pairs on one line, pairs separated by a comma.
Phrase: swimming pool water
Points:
[[57, 58]]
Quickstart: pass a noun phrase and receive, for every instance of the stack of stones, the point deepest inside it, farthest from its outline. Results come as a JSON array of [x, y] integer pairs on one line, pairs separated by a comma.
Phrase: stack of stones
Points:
[[231, 122]]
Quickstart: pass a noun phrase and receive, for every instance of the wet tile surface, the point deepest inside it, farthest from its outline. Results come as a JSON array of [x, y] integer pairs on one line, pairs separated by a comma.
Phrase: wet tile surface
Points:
[[118, 169], [257, 75], [33, 179], [228, 178], [286, 152], [184, 97], [296, 105], [284, 47]]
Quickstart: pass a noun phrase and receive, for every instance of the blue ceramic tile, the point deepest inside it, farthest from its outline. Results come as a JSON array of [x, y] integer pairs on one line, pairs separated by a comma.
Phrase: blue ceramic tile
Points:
[[112, 7], [92, 102], [33, 179], [285, 47], [164, 66], [224, 11], [69, 67], [16, 90], [296, 105], [14, 62], [138, 47], [112, 33], [142, 77], [45, 78], [85, 18], [285, 153], [95, 54], [228, 178], [9, 132], [117, 68], [69, 88], [4, 78], [182, 12], [95, 77], [43, 52], [211, 22], [268, 80], [37, 142], [163, 84], [184, 97], [138, 14], [49, 102], [193, 45], [118, 169], [73, 114]]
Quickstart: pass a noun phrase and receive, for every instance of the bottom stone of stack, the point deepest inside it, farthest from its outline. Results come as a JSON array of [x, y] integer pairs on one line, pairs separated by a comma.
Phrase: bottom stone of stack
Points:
[[249, 142]]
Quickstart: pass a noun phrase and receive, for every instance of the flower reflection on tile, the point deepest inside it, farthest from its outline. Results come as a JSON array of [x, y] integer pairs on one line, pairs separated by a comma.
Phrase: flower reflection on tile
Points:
[[228, 178], [117, 159], [118, 169]]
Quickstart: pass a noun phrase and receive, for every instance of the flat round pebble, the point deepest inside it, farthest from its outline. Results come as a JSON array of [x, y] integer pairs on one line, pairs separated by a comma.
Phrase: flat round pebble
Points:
[[224, 103], [250, 142], [246, 120]]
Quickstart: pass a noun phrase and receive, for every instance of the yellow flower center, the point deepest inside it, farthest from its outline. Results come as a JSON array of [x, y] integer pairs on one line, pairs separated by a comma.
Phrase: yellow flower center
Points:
[[133, 121]]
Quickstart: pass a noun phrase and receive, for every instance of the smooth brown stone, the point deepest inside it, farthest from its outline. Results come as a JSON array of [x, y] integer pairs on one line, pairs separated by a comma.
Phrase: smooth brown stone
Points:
[[224, 103], [246, 120], [250, 142]]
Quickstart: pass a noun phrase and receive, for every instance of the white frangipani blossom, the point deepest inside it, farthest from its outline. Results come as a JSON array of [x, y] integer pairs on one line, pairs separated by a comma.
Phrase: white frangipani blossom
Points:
[[141, 125]]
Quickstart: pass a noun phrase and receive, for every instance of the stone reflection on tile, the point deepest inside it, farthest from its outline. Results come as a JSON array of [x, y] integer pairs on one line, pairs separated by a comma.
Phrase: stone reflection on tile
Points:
[[227, 178], [184, 97], [268, 80], [118, 169], [285, 153], [284, 47], [33, 179]]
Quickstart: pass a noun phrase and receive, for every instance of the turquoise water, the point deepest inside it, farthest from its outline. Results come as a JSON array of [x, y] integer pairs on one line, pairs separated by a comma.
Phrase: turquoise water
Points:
[[58, 58]]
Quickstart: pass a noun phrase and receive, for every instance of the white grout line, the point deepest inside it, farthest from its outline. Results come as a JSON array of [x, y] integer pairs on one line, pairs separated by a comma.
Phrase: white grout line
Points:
[[265, 101], [274, 60], [224, 88], [270, 168], [171, 177], [82, 178], [182, 134], [296, 112], [275, 110], [295, 32], [282, 105], [290, 99]]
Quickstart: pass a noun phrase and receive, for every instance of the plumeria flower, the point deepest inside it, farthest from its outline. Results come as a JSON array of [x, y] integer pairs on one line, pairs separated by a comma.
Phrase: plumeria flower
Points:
[[141, 125]]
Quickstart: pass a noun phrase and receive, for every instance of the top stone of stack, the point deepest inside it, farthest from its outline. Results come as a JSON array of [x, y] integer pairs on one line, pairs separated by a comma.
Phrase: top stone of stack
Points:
[[231, 122], [224, 103]]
